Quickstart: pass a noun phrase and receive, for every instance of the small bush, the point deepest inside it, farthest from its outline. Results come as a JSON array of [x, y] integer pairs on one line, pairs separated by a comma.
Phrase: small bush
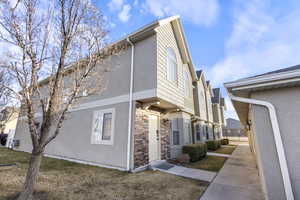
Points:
[[195, 151], [225, 141], [213, 144], [219, 143]]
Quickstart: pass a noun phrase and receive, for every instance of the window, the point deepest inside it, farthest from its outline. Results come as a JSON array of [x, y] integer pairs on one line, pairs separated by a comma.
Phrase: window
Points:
[[103, 127], [198, 132], [107, 121], [175, 132], [190, 133], [207, 134], [171, 65]]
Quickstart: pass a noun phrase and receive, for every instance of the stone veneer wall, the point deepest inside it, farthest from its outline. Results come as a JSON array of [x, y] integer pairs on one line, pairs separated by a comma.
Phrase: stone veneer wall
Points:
[[165, 132], [141, 131]]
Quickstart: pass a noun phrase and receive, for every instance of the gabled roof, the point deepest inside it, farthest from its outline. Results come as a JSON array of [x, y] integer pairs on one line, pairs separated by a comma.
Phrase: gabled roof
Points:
[[151, 29], [199, 73], [217, 96], [178, 31], [267, 79], [283, 78], [217, 92]]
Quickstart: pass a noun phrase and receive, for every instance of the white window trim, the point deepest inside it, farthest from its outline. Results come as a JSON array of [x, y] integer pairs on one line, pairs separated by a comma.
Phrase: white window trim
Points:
[[93, 135], [175, 129], [169, 78]]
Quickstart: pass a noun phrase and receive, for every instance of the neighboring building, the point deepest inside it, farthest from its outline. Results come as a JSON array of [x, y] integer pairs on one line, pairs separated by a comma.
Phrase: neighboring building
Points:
[[210, 118], [200, 124], [162, 117], [269, 106], [218, 108], [8, 123], [209, 108], [234, 128]]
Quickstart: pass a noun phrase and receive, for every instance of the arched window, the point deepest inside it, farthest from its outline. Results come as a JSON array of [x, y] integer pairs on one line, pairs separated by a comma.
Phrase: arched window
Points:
[[171, 65]]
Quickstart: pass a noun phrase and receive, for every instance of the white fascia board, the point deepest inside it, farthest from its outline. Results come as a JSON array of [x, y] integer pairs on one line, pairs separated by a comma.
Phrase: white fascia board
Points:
[[265, 78], [266, 84], [168, 20]]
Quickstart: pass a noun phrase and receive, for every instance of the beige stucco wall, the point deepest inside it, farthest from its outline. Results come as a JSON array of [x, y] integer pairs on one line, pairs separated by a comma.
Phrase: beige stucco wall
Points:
[[74, 140], [117, 80], [287, 104]]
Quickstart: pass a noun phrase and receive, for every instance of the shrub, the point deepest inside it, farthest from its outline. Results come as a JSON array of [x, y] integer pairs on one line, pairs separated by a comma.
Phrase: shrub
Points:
[[219, 143], [195, 151], [213, 144], [225, 141]]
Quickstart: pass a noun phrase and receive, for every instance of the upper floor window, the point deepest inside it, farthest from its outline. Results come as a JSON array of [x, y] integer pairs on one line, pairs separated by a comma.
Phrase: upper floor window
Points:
[[187, 84], [171, 65]]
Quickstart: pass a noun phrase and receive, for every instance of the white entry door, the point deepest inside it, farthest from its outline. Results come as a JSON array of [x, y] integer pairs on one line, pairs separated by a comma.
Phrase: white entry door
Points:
[[154, 149]]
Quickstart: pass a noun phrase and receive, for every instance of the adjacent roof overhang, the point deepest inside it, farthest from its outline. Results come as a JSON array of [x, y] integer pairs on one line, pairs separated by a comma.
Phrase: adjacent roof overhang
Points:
[[244, 88]]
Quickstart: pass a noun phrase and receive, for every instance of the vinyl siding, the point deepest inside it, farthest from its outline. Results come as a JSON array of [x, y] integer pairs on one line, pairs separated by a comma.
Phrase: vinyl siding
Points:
[[209, 106], [200, 101], [217, 113], [167, 90]]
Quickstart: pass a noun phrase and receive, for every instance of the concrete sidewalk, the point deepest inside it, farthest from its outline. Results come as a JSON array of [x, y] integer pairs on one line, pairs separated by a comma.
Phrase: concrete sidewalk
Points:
[[238, 179], [196, 174]]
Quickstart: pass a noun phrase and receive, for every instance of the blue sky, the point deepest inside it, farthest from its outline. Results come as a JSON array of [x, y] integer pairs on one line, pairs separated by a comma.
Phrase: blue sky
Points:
[[228, 39]]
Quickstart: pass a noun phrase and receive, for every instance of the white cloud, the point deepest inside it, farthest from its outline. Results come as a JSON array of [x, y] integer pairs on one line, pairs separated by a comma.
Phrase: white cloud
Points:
[[230, 111], [259, 42], [263, 39], [125, 15], [121, 8], [200, 12], [136, 2], [115, 5]]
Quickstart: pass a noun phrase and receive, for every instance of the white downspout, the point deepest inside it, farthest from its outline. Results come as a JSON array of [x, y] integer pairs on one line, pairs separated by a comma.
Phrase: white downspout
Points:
[[130, 105], [278, 141]]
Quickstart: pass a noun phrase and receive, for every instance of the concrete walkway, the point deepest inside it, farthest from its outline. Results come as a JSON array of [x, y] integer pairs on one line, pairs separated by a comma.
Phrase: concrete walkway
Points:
[[197, 174], [238, 179]]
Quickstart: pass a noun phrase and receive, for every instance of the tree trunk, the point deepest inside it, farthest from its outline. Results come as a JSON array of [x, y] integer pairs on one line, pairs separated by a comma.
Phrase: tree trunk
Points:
[[31, 177]]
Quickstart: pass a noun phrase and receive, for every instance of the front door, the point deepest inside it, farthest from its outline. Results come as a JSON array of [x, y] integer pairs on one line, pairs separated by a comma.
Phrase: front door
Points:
[[154, 141]]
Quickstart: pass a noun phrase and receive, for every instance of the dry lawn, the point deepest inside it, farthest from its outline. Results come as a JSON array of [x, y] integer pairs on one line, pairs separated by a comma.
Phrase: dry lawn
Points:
[[63, 180]]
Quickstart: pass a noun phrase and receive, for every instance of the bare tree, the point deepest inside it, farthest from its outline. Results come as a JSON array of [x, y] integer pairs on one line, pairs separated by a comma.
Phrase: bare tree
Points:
[[4, 93], [62, 40], [5, 115]]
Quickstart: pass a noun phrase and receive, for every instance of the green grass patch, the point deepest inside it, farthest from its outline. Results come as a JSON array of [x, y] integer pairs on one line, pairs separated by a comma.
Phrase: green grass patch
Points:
[[210, 163], [225, 150]]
